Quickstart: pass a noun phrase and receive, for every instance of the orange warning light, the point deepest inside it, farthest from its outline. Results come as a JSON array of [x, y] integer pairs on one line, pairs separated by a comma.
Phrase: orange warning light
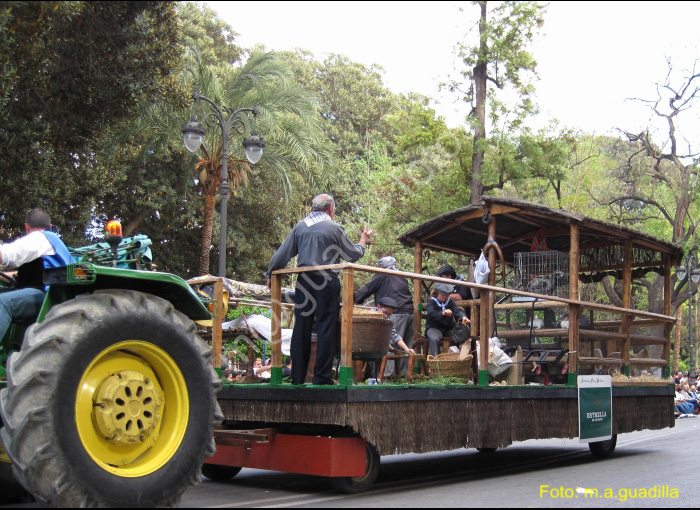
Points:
[[114, 228]]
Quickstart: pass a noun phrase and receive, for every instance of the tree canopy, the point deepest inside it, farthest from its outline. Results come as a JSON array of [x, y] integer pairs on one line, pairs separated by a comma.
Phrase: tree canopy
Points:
[[93, 95]]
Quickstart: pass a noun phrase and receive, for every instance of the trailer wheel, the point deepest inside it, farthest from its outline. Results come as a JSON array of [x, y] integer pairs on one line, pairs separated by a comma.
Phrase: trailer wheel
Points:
[[110, 402], [355, 484], [220, 473], [603, 449]]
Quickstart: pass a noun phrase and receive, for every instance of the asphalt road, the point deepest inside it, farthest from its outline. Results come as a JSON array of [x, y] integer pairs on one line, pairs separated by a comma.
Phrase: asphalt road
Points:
[[543, 473]]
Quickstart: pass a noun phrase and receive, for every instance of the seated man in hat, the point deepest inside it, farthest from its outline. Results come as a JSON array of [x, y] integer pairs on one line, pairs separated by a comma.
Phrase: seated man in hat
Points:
[[442, 313], [388, 306]]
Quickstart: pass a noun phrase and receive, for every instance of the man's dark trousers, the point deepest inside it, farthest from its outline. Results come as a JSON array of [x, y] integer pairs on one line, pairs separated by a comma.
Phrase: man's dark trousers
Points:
[[317, 296]]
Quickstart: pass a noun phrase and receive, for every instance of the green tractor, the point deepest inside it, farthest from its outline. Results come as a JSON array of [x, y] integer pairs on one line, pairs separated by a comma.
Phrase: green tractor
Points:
[[109, 398]]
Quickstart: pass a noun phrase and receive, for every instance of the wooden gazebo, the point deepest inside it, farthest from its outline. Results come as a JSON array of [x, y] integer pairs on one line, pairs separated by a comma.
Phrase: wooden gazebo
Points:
[[504, 227]]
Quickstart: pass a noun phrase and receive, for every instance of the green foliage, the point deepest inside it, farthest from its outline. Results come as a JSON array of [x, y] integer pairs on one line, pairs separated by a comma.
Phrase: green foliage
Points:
[[202, 28], [71, 71], [503, 46], [352, 99], [93, 95], [497, 63]]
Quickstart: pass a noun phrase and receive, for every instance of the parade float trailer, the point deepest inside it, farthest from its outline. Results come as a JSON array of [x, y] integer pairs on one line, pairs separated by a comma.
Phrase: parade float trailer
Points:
[[341, 431], [110, 398]]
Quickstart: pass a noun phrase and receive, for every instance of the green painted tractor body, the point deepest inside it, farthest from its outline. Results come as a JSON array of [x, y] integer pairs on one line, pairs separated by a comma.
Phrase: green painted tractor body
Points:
[[109, 397]]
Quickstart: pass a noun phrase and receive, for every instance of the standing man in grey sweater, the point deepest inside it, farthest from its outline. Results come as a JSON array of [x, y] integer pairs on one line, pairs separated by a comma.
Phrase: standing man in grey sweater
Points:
[[316, 240]]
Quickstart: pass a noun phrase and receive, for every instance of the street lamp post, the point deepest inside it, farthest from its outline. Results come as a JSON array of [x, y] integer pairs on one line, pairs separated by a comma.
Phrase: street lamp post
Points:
[[692, 272], [226, 118]]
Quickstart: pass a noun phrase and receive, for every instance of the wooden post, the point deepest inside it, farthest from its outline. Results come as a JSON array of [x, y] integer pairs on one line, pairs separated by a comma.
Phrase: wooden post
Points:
[[667, 311], [346, 371], [574, 310], [515, 372], [276, 337], [484, 340], [216, 330], [493, 261], [626, 303], [417, 294], [486, 311]]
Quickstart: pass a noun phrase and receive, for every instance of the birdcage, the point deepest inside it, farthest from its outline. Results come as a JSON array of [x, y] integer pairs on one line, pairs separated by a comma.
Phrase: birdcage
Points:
[[542, 272]]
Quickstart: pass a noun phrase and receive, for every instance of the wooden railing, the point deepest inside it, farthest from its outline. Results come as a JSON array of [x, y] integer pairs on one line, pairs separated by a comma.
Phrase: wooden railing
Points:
[[629, 319]]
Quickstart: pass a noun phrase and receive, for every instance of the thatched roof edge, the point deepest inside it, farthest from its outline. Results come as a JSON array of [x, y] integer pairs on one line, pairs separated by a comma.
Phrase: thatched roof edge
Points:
[[415, 235]]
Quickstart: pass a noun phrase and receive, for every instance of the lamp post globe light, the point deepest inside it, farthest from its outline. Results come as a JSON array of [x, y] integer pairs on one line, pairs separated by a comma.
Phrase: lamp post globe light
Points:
[[690, 270], [226, 118]]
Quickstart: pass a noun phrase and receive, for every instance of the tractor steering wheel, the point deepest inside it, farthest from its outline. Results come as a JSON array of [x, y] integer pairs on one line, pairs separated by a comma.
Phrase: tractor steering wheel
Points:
[[8, 279]]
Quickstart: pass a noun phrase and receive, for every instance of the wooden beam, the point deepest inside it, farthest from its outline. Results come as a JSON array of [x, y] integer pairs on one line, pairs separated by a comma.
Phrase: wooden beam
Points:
[[539, 305], [524, 218], [346, 323], [496, 209], [216, 336], [447, 249], [648, 362], [574, 310], [493, 237], [484, 339], [667, 307], [524, 333], [276, 316], [417, 290], [520, 239], [639, 323], [601, 335], [258, 304], [478, 213], [626, 302], [621, 266]]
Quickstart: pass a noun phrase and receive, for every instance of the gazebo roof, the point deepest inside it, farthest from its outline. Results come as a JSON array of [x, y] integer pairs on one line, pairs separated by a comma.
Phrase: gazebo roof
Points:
[[601, 244]]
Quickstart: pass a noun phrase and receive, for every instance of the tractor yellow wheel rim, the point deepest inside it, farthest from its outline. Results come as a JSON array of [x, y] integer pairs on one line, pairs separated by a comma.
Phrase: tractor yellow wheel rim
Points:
[[132, 408], [3, 456]]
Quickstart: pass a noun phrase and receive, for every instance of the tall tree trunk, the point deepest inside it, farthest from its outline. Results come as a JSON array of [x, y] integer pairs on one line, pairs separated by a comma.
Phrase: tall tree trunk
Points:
[[477, 185], [134, 223], [209, 205], [677, 341]]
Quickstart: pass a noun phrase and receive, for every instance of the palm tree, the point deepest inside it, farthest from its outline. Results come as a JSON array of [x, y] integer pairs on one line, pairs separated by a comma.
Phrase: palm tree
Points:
[[288, 118]]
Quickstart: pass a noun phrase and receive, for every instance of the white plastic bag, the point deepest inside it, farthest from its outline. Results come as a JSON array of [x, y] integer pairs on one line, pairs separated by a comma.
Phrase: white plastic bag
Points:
[[263, 326], [481, 270], [499, 361]]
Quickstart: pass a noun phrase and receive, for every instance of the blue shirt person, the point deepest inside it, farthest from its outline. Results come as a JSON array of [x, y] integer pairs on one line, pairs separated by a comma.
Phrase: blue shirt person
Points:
[[39, 249]]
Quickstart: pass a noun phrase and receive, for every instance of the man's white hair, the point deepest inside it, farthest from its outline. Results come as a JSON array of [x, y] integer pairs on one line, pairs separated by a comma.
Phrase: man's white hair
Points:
[[322, 202]]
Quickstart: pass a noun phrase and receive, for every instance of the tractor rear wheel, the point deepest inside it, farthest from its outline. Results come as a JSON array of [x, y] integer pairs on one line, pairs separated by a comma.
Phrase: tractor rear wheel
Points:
[[110, 402]]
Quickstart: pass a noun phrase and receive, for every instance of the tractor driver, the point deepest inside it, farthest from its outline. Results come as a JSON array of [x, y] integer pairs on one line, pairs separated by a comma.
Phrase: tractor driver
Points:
[[40, 248]]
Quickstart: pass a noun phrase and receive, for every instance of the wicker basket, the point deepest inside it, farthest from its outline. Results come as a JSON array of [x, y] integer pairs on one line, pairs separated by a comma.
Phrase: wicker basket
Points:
[[362, 311], [449, 365]]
